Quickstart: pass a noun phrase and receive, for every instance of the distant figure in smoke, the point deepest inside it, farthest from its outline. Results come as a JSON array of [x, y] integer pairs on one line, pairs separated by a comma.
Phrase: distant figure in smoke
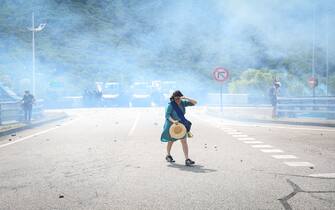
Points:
[[175, 112], [27, 104], [98, 97], [87, 98], [273, 94]]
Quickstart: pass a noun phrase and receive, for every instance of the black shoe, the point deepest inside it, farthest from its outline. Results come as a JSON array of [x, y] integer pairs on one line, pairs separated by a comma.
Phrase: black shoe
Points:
[[189, 162], [169, 159]]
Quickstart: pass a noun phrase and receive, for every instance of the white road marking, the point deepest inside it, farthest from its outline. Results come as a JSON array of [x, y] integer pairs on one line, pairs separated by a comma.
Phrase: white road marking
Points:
[[246, 139], [35, 134], [297, 164], [272, 150], [284, 156], [131, 131], [326, 175], [253, 142], [240, 136], [262, 146]]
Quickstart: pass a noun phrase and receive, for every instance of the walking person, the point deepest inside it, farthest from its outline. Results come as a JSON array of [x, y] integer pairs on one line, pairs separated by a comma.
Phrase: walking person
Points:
[[174, 116], [27, 104], [273, 94]]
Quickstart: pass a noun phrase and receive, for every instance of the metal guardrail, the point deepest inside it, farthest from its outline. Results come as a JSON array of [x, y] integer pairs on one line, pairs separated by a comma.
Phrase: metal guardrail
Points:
[[12, 111], [306, 106]]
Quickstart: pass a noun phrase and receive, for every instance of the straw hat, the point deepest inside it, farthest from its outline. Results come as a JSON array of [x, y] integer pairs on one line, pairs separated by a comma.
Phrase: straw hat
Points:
[[177, 131]]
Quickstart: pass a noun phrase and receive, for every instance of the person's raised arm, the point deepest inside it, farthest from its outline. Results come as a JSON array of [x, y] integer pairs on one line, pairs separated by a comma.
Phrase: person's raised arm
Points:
[[192, 101]]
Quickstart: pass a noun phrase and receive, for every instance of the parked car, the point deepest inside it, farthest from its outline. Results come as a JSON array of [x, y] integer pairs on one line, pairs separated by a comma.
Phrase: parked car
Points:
[[141, 94], [111, 93]]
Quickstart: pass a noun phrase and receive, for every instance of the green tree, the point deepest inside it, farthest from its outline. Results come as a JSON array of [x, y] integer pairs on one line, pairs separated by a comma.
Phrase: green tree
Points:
[[253, 81]]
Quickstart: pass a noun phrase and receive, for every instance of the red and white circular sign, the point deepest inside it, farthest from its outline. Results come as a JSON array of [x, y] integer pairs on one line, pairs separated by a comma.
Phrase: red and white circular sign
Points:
[[221, 74]]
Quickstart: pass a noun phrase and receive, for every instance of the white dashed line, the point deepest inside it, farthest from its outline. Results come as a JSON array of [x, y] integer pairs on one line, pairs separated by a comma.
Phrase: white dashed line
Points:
[[134, 125], [245, 139], [262, 146], [297, 164], [284, 156], [272, 150], [326, 175], [253, 142], [249, 140]]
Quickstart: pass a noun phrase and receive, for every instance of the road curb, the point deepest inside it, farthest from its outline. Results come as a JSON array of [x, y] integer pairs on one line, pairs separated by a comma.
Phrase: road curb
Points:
[[325, 124], [284, 122], [25, 127]]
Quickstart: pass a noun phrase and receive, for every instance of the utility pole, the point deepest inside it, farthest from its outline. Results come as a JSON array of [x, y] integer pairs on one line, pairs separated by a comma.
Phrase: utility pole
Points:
[[33, 30], [33, 47], [313, 53], [327, 52]]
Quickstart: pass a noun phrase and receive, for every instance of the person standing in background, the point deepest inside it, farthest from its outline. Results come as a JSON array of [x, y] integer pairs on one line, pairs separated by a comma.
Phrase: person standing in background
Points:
[[273, 95], [27, 104]]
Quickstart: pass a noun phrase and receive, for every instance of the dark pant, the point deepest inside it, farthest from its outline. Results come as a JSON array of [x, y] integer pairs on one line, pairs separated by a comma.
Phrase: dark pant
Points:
[[27, 112]]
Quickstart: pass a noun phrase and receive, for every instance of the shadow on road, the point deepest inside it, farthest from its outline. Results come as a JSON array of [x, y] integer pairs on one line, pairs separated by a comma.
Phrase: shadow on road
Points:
[[194, 169]]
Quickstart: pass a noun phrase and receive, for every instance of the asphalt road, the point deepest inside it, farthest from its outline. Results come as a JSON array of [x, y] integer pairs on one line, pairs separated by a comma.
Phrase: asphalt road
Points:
[[113, 159]]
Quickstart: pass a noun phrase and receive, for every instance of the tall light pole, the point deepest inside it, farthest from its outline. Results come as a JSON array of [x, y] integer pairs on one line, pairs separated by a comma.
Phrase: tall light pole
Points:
[[33, 30], [327, 52], [313, 52]]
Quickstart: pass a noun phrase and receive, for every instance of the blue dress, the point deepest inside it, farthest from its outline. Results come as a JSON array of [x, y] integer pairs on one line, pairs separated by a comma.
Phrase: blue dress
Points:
[[165, 137]]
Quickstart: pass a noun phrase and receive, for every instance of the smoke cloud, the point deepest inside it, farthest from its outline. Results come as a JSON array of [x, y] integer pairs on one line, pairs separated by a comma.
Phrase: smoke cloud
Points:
[[112, 40]]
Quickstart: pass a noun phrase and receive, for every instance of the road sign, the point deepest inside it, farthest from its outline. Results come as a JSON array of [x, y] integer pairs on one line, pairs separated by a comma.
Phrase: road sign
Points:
[[313, 82], [221, 74]]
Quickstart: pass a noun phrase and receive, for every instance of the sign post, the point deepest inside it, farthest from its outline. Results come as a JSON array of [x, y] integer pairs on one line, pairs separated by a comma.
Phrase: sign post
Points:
[[313, 83], [221, 74]]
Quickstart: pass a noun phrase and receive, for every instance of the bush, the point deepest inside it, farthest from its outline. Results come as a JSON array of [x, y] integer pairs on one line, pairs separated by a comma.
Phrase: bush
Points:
[[253, 81]]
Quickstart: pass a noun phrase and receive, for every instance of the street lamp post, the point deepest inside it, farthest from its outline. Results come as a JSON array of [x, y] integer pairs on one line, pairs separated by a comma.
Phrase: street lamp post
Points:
[[33, 30], [327, 53], [313, 50]]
